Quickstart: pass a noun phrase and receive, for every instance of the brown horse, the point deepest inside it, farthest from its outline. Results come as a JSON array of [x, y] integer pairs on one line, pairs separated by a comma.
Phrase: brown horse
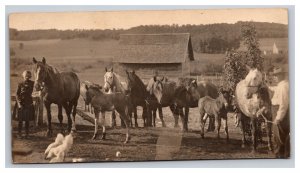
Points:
[[141, 97], [216, 108], [103, 102], [61, 88], [168, 94], [83, 92]]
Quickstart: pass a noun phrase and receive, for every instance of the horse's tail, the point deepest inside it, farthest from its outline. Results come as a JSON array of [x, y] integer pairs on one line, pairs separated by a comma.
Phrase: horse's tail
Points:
[[77, 93]]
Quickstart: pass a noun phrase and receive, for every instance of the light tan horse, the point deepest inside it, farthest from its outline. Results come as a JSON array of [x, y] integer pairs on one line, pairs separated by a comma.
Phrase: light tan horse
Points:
[[251, 95]]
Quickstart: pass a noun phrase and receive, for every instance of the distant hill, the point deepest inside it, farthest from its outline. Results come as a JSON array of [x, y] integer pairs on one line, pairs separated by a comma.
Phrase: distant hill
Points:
[[212, 38]]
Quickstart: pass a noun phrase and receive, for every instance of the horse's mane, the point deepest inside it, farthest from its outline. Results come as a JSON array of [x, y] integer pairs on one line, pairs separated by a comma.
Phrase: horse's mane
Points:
[[118, 80], [50, 70], [139, 83]]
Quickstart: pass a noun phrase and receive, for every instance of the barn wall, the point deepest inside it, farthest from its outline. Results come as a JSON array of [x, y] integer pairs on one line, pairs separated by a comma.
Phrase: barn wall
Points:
[[146, 71]]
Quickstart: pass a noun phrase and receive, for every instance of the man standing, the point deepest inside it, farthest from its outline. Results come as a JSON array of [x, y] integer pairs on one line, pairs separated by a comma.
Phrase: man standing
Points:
[[280, 112]]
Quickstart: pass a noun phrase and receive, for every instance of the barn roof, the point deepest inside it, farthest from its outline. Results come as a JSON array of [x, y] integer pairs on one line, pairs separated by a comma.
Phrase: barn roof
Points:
[[154, 48]]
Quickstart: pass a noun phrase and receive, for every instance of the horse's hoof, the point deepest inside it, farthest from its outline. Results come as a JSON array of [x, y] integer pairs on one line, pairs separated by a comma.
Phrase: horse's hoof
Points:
[[49, 133], [73, 129], [136, 125], [184, 130], [94, 137], [103, 136], [202, 136], [163, 125]]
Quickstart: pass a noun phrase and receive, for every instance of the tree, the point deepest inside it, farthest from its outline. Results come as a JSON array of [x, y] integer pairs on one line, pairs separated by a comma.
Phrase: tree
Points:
[[253, 54], [235, 61]]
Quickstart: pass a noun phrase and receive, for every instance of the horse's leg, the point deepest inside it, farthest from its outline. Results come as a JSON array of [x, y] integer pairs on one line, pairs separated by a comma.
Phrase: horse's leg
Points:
[[184, 128], [175, 114], [74, 115], [186, 117], [243, 128], [254, 133], [218, 124], [96, 125], [68, 109], [48, 106], [153, 114], [91, 108], [144, 117], [161, 116], [60, 117], [149, 115], [125, 117], [202, 124], [226, 128], [269, 134], [113, 119], [103, 125], [135, 117]]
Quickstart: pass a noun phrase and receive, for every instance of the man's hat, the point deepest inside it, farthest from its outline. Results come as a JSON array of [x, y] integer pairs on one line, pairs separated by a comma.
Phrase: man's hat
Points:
[[280, 70]]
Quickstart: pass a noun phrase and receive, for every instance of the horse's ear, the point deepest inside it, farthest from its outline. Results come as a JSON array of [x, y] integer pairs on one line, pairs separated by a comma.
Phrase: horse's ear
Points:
[[127, 72], [194, 82], [86, 87], [133, 71], [34, 60], [112, 69], [105, 69], [44, 60], [154, 78], [163, 78]]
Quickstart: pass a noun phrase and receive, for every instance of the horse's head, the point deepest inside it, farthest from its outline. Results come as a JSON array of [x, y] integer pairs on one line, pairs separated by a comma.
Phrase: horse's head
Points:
[[228, 96], [192, 90], [92, 91], [253, 82], [108, 79], [40, 73], [155, 87], [254, 78]]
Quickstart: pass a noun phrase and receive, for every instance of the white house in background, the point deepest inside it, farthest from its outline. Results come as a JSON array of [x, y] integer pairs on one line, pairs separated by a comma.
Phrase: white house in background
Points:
[[265, 52], [275, 50]]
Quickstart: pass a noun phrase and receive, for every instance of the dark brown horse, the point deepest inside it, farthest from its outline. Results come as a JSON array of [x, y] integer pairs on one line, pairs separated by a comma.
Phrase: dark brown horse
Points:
[[61, 88], [141, 97], [103, 102]]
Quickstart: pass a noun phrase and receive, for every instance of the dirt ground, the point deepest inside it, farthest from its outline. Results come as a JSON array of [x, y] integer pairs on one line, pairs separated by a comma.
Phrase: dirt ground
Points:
[[151, 143]]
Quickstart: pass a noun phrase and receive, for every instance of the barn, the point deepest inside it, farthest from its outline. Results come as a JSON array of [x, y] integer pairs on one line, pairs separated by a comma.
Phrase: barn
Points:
[[148, 54]]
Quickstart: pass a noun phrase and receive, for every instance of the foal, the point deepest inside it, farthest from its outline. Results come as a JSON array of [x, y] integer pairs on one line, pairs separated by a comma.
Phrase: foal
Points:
[[102, 102], [213, 107]]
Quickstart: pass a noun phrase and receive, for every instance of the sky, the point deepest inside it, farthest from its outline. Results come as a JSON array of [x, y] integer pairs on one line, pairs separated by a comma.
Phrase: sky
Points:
[[128, 19]]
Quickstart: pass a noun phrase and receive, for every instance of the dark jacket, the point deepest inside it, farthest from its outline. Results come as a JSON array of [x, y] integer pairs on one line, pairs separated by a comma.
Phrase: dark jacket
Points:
[[24, 93]]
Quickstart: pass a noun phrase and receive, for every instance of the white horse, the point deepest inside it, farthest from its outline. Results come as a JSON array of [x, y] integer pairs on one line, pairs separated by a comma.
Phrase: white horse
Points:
[[112, 84], [251, 96]]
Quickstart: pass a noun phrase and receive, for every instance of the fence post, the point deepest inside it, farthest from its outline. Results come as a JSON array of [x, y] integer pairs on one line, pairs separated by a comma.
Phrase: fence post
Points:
[[40, 112]]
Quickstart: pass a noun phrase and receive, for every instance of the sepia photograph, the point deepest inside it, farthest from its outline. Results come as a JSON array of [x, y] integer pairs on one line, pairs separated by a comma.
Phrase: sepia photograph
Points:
[[149, 85]]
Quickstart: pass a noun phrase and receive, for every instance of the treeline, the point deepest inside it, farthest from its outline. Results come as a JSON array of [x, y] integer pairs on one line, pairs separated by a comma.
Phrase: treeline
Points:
[[212, 38]]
